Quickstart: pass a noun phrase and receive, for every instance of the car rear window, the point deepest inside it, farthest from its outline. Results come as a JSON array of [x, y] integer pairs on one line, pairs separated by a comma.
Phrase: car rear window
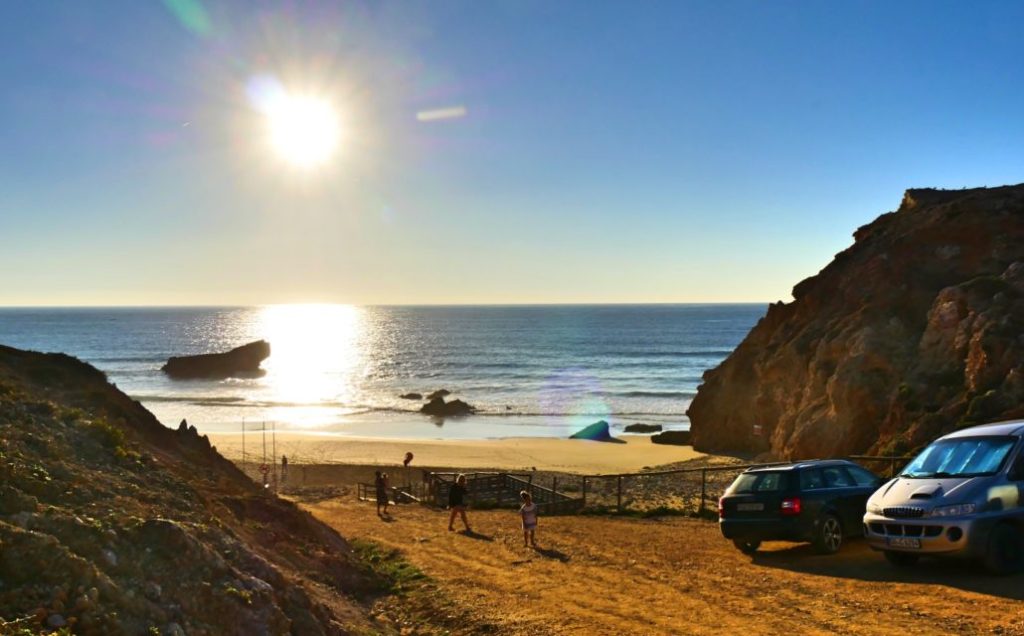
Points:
[[759, 482]]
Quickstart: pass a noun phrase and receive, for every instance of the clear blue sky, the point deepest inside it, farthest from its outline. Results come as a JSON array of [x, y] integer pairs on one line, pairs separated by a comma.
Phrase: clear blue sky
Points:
[[609, 152]]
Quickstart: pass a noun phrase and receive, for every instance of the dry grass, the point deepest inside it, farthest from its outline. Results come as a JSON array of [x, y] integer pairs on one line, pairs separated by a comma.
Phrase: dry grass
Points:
[[597, 575]]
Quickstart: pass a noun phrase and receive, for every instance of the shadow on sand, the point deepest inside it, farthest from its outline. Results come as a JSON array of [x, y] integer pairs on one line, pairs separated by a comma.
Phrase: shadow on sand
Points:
[[473, 534], [551, 553], [857, 561]]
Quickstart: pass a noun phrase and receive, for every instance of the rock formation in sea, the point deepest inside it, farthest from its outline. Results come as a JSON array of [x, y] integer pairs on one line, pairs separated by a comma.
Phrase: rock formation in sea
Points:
[[111, 523], [438, 407], [915, 330], [241, 361]]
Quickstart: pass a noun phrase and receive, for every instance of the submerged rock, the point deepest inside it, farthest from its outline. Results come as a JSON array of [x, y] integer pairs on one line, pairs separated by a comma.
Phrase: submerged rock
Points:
[[411, 396], [596, 432], [440, 393], [439, 407], [643, 428], [241, 361]]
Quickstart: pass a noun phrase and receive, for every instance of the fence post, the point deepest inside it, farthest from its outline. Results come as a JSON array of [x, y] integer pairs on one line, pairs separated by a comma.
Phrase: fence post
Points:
[[703, 490], [892, 467], [619, 504], [554, 484], [584, 504]]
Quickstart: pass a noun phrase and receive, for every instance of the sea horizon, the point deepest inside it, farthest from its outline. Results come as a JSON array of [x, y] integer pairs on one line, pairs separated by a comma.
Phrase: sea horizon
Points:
[[532, 370]]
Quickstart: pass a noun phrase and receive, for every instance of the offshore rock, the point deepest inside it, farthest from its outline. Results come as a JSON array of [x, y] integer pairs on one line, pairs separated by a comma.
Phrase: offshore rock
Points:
[[912, 332], [438, 407], [241, 361]]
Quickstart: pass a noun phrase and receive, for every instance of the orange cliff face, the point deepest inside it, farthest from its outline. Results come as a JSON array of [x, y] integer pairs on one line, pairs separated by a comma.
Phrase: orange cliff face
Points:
[[915, 330]]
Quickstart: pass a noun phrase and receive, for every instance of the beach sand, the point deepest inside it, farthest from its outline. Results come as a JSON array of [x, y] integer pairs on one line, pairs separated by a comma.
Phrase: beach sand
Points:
[[548, 454]]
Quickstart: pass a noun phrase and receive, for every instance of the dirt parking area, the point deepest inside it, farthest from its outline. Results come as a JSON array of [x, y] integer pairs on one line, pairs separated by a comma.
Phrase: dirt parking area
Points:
[[605, 575]]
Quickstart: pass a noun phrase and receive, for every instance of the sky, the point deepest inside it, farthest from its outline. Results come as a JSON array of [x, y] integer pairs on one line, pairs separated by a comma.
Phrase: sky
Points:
[[488, 152]]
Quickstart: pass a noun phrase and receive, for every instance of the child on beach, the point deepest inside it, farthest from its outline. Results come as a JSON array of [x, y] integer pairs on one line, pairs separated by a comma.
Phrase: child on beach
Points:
[[381, 482], [457, 503], [528, 511]]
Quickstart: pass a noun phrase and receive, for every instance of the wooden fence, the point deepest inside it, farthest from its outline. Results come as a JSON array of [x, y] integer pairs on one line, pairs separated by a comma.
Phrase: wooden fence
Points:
[[684, 490], [687, 490]]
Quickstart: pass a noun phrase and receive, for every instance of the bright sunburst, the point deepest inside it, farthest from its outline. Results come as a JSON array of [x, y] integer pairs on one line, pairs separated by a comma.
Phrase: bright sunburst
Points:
[[304, 131]]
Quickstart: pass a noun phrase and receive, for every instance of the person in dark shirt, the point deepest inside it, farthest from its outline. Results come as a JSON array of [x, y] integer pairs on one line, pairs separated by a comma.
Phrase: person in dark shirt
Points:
[[457, 502], [381, 482]]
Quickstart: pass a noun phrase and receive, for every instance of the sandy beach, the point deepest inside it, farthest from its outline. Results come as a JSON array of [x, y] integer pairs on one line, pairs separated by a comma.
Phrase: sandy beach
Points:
[[550, 454]]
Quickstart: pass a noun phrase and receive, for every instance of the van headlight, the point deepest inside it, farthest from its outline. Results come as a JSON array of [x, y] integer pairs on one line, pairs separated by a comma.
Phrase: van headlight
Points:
[[953, 511], [874, 508]]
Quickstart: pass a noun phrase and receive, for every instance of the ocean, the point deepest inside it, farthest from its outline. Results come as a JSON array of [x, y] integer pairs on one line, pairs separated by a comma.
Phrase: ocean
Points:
[[532, 371]]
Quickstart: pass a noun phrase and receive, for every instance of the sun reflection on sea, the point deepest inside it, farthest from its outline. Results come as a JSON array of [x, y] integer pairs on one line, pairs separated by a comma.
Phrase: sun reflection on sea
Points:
[[316, 354]]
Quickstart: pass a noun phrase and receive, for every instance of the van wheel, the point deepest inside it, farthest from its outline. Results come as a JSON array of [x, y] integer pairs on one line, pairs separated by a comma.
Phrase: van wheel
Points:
[[901, 559], [829, 537], [1005, 552], [746, 546]]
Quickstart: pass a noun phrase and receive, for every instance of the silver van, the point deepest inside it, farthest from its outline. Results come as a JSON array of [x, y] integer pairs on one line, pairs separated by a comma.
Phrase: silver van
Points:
[[962, 495]]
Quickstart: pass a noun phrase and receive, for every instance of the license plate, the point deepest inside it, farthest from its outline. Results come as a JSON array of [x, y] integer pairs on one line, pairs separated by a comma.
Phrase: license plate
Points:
[[749, 507], [904, 542]]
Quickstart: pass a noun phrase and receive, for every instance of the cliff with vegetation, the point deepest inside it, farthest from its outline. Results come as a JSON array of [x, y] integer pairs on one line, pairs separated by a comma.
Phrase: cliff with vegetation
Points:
[[111, 523], [914, 331]]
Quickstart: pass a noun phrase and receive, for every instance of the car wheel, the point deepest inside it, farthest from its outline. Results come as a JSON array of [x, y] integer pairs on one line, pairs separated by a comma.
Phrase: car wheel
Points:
[[901, 559], [829, 537], [1005, 552], [746, 546]]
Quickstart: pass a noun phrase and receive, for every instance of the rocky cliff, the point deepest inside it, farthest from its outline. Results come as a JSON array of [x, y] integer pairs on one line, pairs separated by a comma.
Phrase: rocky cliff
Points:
[[915, 330], [111, 523]]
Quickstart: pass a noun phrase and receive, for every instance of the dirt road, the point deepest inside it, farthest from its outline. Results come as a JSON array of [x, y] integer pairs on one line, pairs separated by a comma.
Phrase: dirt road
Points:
[[600, 575]]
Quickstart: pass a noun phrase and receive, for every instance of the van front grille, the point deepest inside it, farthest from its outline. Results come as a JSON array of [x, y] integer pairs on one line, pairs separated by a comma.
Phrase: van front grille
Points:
[[905, 529], [903, 512]]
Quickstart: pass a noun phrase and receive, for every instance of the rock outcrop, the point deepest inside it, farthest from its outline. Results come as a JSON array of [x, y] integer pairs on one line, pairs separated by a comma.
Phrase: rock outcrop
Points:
[[596, 432], [241, 361], [675, 438], [439, 408], [111, 523], [411, 396], [912, 332], [440, 393]]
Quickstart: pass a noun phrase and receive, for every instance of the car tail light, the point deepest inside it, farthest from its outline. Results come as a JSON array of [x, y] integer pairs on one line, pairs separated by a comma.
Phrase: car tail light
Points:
[[791, 506], [721, 507]]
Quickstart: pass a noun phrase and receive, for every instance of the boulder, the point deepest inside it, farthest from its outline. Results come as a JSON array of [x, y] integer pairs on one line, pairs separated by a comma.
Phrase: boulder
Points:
[[676, 438], [643, 428], [438, 407], [411, 396], [596, 432], [440, 393], [241, 361]]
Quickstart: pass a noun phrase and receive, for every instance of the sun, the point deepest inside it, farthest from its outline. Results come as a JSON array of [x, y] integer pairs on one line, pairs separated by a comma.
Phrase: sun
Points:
[[304, 130]]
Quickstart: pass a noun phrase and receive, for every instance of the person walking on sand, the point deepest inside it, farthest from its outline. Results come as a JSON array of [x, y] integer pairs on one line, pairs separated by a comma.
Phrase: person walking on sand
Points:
[[381, 482], [457, 503], [528, 511]]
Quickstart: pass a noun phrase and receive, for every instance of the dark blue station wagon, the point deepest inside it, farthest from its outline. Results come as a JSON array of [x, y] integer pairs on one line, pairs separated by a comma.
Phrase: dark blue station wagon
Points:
[[820, 501]]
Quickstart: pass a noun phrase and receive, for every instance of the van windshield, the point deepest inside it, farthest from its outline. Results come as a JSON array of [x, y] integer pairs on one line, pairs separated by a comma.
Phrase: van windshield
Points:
[[960, 457]]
